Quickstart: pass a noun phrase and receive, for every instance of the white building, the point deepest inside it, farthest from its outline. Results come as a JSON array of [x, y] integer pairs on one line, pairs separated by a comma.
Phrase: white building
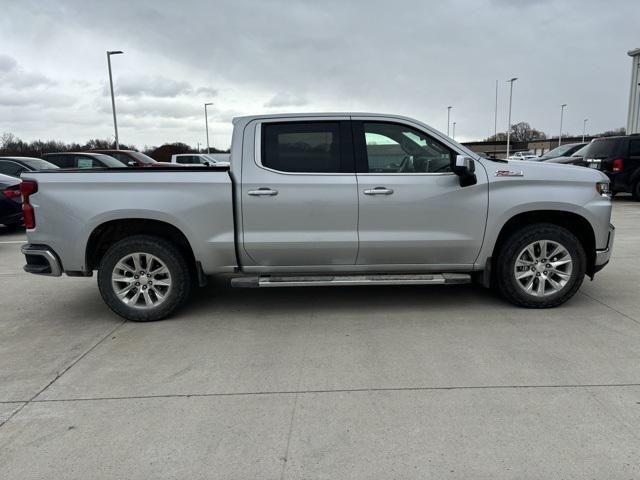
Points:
[[633, 121]]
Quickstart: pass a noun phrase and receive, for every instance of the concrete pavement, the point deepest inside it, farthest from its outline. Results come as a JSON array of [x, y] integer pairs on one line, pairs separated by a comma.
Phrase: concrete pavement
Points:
[[384, 382]]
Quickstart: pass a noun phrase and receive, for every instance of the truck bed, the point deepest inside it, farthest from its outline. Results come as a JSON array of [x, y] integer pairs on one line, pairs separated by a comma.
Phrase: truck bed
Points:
[[70, 204]]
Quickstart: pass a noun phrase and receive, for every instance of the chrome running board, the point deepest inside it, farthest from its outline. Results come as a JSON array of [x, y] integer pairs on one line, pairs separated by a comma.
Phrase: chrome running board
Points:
[[330, 280]]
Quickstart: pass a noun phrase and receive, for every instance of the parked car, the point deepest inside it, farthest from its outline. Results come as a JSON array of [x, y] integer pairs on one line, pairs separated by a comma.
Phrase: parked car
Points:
[[619, 159], [128, 157], [523, 156], [199, 159], [312, 199], [132, 158], [576, 158], [10, 201], [82, 160], [14, 166], [562, 151]]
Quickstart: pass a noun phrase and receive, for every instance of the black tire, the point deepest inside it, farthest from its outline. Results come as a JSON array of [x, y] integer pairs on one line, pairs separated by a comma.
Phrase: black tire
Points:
[[505, 279], [173, 259], [635, 191]]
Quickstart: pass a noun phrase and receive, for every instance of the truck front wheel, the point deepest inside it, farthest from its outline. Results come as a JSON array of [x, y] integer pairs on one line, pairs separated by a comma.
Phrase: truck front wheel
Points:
[[144, 278], [540, 266]]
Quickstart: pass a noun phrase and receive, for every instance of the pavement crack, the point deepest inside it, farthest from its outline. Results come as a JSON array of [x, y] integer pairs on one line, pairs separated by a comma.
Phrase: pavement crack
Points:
[[61, 373], [339, 390], [610, 307]]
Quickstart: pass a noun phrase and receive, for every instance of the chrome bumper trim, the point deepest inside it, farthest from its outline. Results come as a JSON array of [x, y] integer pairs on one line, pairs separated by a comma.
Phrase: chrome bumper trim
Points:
[[54, 270], [603, 256]]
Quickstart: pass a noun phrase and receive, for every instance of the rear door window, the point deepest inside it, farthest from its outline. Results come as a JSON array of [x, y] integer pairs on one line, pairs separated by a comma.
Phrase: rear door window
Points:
[[302, 147]]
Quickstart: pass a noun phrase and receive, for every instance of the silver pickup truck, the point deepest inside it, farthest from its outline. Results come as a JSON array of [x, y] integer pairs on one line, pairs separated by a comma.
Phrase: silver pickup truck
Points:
[[322, 199]]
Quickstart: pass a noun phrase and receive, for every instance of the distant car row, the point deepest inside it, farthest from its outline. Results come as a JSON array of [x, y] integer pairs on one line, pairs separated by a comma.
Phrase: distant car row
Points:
[[563, 152], [14, 166], [617, 157]]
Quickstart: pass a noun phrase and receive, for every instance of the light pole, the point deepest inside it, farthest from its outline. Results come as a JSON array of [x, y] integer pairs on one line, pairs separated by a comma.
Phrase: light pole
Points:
[[584, 128], [509, 121], [561, 118], [113, 100], [206, 123], [454, 130], [495, 116], [448, 117]]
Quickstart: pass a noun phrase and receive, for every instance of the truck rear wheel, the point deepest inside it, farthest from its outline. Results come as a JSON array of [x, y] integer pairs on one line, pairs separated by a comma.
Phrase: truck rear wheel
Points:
[[540, 266], [144, 278]]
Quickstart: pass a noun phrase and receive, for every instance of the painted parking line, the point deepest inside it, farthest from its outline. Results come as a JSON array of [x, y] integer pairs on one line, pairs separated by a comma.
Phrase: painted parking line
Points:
[[13, 241]]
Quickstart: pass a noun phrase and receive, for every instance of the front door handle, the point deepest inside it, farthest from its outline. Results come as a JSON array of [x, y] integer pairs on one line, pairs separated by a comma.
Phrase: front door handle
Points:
[[378, 191], [263, 192]]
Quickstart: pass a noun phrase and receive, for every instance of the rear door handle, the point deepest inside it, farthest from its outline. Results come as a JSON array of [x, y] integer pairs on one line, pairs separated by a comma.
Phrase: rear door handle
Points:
[[263, 192], [378, 191]]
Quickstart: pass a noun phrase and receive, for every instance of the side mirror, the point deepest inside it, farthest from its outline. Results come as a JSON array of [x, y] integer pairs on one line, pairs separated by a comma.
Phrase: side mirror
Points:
[[206, 163], [132, 163], [465, 168]]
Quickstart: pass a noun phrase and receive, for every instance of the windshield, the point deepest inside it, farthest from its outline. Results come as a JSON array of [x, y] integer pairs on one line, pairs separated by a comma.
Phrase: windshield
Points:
[[108, 161], [600, 148], [143, 158], [580, 152], [559, 151], [38, 163]]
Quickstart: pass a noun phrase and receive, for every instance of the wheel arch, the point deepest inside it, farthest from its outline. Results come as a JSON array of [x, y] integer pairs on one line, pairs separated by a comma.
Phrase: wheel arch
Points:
[[575, 223], [108, 233]]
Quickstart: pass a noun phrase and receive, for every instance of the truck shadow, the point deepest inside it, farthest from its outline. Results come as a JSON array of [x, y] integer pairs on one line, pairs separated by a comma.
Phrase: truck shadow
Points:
[[284, 301]]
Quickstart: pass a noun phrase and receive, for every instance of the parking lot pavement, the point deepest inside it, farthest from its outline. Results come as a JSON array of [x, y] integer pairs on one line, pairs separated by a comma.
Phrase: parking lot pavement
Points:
[[384, 382]]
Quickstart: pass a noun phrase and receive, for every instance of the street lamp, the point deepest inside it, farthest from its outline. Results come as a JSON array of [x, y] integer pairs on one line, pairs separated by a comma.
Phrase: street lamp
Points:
[[113, 100], [448, 117], [206, 123], [561, 117], [509, 121], [584, 128], [454, 130], [495, 116]]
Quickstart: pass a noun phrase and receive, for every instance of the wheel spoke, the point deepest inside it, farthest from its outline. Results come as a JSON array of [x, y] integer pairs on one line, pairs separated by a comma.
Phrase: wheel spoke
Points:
[[122, 279], [125, 267], [562, 275], [136, 262], [125, 291], [560, 262], [555, 285], [525, 274], [541, 286]]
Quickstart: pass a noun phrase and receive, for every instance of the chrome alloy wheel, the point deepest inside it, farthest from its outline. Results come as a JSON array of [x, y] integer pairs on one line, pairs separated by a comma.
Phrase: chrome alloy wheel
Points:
[[141, 280], [543, 268]]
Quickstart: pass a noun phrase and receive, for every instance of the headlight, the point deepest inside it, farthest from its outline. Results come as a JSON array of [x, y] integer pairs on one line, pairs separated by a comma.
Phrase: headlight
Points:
[[603, 189]]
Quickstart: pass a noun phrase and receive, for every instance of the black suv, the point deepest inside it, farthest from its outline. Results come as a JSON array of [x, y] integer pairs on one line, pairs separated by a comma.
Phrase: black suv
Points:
[[619, 159]]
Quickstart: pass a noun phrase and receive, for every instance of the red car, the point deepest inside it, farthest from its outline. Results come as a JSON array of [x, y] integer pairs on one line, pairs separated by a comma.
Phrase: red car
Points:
[[131, 158]]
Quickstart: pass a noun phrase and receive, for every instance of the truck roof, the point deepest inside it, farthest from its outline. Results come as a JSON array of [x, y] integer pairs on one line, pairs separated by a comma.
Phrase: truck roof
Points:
[[248, 118]]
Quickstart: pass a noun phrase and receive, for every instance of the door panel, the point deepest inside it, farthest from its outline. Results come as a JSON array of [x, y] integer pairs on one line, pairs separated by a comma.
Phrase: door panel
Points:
[[428, 219], [300, 218], [412, 209]]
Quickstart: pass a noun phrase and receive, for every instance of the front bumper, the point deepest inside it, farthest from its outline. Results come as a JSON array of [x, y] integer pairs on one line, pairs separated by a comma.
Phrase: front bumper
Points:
[[603, 256], [41, 260]]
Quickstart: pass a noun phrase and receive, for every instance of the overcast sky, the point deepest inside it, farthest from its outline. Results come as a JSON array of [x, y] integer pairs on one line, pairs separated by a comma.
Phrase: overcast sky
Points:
[[254, 56]]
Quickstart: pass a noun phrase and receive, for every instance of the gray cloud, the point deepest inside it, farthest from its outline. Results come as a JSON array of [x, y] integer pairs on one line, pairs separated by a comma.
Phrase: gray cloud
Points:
[[286, 100], [13, 75], [412, 58]]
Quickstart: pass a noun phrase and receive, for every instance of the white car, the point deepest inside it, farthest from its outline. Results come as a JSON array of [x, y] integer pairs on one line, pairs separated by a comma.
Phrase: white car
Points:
[[209, 159], [522, 156]]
